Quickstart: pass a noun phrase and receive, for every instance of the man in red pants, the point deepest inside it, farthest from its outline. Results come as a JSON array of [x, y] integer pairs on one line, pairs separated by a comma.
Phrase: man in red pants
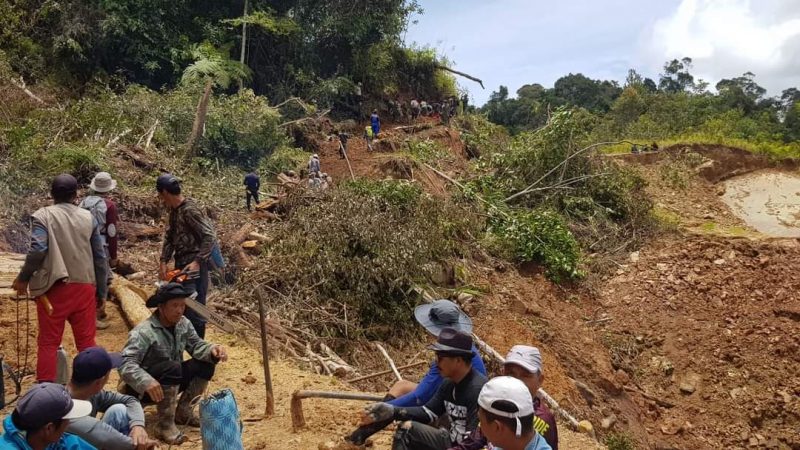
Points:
[[65, 260]]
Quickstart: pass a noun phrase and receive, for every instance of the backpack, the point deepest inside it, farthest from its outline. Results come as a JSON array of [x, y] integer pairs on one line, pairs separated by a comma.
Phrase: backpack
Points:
[[97, 206]]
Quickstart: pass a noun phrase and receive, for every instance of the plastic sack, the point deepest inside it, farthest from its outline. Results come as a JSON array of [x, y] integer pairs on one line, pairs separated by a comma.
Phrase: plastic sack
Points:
[[220, 424]]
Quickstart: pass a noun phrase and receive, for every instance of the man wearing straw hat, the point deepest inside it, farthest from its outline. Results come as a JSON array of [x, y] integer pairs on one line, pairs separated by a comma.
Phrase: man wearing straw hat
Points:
[[104, 210]]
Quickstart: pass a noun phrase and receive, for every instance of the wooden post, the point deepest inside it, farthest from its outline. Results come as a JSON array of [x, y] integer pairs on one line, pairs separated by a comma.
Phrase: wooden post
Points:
[[269, 409], [347, 160], [296, 406]]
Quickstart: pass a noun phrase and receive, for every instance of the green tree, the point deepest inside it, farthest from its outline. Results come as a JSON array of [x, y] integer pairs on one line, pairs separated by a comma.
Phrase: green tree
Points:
[[676, 76]]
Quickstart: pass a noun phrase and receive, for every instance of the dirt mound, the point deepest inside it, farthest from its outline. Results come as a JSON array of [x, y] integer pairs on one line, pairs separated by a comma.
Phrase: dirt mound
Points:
[[708, 329], [723, 162]]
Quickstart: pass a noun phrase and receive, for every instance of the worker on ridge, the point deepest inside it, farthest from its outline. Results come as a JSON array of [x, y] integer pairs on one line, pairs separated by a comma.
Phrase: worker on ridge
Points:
[[313, 164], [122, 425], [434, 317], [456, 400], [153, 367], [343, 138], [104, 211], [252, 183], [65, 262], [369, 136], [415, 109], [375, 123], [505, 409], [189, 239], [525, 364]]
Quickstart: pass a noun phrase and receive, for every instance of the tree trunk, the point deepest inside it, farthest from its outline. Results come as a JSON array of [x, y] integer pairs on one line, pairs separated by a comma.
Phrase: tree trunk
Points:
[[199, 120], [244, 42]]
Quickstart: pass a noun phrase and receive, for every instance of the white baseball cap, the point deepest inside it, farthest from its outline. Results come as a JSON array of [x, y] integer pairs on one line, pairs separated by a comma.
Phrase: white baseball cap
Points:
[[525, 356], [508, 389]]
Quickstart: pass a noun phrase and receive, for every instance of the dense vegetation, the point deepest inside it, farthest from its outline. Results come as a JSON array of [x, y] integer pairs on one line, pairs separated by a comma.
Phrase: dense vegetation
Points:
[[677, 108], [329, 51]]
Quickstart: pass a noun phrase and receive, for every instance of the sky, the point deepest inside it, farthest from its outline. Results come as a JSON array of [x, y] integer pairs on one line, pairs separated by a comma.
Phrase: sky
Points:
[[517, 42]]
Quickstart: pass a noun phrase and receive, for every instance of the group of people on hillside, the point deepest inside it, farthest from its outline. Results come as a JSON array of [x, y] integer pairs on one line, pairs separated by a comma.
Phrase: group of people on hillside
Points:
[[67, 267], [505, 411], [66, 272]]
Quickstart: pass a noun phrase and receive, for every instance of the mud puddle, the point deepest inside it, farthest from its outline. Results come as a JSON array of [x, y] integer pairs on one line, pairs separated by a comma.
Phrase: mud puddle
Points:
[[767, 201]]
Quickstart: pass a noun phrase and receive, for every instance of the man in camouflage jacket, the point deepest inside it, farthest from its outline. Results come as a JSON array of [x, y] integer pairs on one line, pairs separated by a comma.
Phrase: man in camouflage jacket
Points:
[[189, 239]]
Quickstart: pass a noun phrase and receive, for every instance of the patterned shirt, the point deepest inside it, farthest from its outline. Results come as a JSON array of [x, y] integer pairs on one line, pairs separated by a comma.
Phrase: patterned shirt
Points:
[[189, 237]]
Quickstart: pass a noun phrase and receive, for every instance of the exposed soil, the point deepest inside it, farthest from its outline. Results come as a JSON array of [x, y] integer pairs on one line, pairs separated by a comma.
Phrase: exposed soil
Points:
[[694, 343]]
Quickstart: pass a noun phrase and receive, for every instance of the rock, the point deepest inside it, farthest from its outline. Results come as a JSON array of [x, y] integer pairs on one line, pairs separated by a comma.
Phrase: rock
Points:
[[719, 261], [662, 267], [634, 256], [608, 422], [464, 297], [249, 378], [621, 377], [688, 384], [708, 216], [662, 364]]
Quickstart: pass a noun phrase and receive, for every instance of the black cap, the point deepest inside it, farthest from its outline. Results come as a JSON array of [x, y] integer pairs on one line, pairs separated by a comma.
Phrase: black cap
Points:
[[168, 292], [93, 363], [167, 181], [63, 185], [45, 403], [453, 342]]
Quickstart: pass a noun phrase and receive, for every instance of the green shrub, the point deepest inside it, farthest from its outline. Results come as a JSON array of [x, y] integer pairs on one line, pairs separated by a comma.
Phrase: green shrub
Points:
[[241, 130], [538, 235], [284, 159], [356, 252], [82, 161], [619, 441]]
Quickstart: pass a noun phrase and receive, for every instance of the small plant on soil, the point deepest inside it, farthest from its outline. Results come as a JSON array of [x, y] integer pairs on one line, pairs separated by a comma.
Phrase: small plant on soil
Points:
[[619, 441]]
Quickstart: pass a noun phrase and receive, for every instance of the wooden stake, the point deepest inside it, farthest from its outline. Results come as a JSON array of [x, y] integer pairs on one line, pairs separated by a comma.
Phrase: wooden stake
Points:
[[344, 152], [391, 362], [269, 409], [296, 406]]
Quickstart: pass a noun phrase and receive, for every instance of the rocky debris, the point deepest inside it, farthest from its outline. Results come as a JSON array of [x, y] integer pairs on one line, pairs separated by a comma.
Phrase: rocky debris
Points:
[[689, 383], [586, 392], [608, 422]]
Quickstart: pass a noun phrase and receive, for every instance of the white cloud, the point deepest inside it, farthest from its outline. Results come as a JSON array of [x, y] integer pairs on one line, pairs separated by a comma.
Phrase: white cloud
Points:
[[726, 38]]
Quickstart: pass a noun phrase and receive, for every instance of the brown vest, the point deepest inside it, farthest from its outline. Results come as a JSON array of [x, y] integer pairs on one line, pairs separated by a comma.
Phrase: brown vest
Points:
[[69, 247]]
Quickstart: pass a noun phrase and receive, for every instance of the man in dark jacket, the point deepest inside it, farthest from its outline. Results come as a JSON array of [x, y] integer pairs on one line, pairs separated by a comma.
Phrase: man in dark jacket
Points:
[[525, 364], [456, 398], [252, 183], [190, 239]]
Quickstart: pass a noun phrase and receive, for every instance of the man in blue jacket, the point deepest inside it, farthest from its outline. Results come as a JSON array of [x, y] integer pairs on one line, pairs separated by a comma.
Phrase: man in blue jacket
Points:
[[434, 317], [41, 418]]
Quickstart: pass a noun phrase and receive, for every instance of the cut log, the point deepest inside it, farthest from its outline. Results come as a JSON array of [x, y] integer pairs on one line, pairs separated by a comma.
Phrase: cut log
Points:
[[132, 300], [241, 235], [267, 205], [136, 231], [265, 215], [467, 76], [259, 237]]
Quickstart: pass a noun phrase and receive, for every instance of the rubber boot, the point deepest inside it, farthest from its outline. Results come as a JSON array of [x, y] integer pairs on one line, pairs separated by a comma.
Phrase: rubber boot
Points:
[[184, 414], [360, 435], [165, 427]]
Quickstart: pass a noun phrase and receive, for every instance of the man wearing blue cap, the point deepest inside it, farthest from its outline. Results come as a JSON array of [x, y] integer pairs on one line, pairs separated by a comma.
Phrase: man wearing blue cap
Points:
[[122, 426], [41, 418], [434, 317], [153, 366]]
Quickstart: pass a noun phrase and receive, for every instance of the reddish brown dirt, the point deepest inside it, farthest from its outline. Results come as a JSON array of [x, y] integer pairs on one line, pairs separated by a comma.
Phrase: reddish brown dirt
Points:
[[726, 312], [390, 147]]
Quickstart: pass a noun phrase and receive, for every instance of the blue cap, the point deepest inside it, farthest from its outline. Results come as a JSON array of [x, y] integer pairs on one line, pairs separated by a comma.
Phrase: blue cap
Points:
[[45, 403], [93, 363]]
